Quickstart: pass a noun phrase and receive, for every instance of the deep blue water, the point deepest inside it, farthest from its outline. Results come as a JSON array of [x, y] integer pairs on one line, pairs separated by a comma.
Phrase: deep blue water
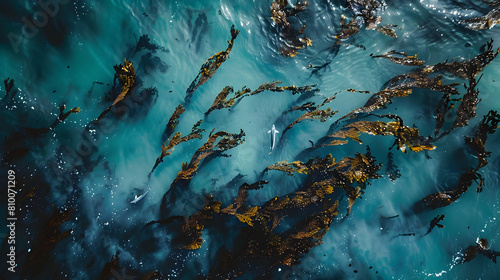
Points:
[[97, 169]]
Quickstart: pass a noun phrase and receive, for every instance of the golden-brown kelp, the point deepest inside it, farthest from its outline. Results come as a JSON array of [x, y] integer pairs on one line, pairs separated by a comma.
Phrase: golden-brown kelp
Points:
[[293, 40], [314, 113], [366, 11], [342, 174], [167, 149], [211, 66], [401, 58], [126, 76], [173, 121], [346, 30], [317, 114], [445, 105], [286, 249], [401, 86], [50, 234], [194, 225], [275, 88], [488, 125], [378, 100], [221, 100], [467, 68], [242, 196], [388, 30], [405, 136], [359, 168], [485, 22], [259, 243], [227, 141], [289, 168]]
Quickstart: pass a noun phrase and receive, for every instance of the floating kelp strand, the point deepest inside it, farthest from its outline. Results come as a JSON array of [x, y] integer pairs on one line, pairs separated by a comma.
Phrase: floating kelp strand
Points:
[[167, 149], [292, 39], [342, 174], [466, 110], [191, 230], [378, 100], [242, 196], [275, 88], [313, 112], [388, 30], [215, 145], [481, 247], [405, 136], [487, 21], [173, 122], [259, 243], [317, 114], [434, 223], [488, 125], [445, 198], [126, 76], [467, 68], [221, 100], [211, 66], [366, 11], [442, 110], [401, 58]]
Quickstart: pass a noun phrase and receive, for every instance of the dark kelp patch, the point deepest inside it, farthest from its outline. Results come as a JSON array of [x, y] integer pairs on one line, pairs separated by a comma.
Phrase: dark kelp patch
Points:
[[126, 76]]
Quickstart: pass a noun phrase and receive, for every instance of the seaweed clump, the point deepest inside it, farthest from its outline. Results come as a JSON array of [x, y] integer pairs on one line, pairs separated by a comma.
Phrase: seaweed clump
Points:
[[313, 112], [405, 136], [293, 39], [366, 12], [173, 121], [433, 201], [401, 58], [217, 143], [481, 247], [167, 149], [342, 174], [126, 76]]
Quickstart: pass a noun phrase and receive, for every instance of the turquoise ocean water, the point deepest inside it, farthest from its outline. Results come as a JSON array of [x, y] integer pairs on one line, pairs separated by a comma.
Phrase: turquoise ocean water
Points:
[[96, 170]]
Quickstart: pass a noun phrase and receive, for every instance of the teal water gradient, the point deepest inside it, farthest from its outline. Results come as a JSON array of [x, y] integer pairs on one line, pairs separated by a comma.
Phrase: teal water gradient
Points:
[[99, 35]]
